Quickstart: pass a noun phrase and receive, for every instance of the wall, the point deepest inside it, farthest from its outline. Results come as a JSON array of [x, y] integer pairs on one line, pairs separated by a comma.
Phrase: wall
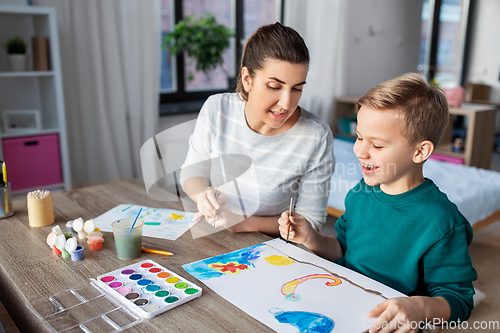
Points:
[[484, 51], [382, 41]]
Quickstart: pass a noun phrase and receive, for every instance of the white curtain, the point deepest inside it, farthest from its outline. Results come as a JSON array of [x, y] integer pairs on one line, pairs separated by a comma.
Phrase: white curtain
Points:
[[321, 23], [110, 57]]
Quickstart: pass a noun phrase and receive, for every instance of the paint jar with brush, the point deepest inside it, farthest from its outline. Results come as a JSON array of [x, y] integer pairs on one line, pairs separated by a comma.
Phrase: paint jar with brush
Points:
[[40, 210]]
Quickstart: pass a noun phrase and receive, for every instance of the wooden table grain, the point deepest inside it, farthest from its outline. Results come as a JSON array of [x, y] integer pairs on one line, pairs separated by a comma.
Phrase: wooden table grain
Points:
[[29, 270]]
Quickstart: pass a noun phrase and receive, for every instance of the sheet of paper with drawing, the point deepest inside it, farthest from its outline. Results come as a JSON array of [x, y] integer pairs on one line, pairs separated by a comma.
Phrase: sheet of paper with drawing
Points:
[[292, 290], [158, 222]]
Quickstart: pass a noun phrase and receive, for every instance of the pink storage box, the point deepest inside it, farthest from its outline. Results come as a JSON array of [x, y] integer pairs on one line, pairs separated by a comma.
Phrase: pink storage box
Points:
[[448, 159], [32, 161]]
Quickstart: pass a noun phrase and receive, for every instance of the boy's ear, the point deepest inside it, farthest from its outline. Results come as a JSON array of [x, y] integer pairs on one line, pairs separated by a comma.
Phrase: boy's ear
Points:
[[246, 79], [423, 150]]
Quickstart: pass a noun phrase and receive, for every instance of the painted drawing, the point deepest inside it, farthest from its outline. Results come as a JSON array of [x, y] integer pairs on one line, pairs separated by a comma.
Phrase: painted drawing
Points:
[[304, 321], [292, 290], [158, 222]]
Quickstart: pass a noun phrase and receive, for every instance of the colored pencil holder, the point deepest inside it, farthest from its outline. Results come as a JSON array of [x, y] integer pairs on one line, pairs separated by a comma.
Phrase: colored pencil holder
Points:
[[6, 208], [40, 212]]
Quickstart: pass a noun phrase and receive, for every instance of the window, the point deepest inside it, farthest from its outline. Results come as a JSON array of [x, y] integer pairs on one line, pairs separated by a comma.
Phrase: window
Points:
[[243, 16], [443, 40]]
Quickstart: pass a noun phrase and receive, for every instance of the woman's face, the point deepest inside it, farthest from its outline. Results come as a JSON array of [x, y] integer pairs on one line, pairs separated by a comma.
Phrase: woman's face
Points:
[[273, 96]]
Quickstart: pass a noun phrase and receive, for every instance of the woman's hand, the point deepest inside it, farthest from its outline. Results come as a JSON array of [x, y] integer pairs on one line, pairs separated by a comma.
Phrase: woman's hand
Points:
[[300, 228], [208, 203]]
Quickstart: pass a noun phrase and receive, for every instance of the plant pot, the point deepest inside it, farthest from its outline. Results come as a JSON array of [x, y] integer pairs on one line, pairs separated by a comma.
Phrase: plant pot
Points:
[[18, 62]]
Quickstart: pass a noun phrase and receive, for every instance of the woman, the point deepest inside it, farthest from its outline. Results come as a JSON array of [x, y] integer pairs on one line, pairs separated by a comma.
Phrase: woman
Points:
[[260, 148]]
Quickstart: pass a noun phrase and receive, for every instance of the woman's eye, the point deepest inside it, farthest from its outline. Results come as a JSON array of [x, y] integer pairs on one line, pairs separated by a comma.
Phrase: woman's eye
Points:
[[273, 88], [359, 138], [297, 89], [377, 147]]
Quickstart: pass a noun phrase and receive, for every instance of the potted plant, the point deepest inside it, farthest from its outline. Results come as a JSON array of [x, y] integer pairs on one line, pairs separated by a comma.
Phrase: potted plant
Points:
[[16, 49], [204, 41]]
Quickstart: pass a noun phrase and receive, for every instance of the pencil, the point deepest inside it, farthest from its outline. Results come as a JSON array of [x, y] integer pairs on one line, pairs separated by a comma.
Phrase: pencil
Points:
[[6, 191], [290, 223], [215, 210], [165, 253]]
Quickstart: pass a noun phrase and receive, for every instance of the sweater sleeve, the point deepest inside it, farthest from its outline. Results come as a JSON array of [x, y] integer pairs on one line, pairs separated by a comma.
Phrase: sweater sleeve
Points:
[[312, 197], [448, 271], [197, 162]]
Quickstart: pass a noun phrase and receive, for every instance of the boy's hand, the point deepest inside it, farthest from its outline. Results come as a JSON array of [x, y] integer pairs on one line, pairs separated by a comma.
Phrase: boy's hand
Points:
[[397, 315], [208, 203], [300, 228]]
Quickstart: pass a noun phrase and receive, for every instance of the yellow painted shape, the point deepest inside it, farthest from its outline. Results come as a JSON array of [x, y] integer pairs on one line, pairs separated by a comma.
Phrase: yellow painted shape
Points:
[[289, 287], [176, 217], [279, 260]]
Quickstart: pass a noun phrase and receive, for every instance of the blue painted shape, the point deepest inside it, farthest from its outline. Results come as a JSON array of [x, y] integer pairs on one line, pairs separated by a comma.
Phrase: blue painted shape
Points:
[[246, 256], [306, 322]]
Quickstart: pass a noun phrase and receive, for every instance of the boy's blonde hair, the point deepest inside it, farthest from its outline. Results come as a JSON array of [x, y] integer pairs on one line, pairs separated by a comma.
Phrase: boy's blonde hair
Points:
[[423, 108]]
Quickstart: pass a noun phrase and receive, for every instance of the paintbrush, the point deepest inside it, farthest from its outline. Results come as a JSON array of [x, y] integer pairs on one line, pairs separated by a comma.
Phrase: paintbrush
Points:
[[290, 223], [215, 210]]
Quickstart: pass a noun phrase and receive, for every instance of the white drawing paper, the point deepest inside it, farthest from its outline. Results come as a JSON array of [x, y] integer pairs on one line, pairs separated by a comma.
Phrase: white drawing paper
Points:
[[158, 222], [292, 290]]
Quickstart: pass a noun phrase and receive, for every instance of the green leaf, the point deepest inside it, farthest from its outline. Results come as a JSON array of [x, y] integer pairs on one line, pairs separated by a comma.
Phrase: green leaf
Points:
[[202, 39], [15, 45]]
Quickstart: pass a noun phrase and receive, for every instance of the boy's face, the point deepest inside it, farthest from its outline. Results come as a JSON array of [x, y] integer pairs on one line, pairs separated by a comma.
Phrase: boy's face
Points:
[[384, 153]]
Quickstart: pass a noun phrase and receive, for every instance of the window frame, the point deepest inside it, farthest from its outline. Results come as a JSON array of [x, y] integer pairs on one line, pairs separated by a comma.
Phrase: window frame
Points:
[[181, 95], [432, 44]]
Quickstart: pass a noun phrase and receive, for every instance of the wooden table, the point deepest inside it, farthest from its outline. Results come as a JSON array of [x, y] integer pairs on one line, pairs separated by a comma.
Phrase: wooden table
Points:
[[29, 270]]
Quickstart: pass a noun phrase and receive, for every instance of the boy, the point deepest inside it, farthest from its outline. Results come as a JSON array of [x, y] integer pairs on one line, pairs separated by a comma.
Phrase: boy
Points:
[[398, 228]]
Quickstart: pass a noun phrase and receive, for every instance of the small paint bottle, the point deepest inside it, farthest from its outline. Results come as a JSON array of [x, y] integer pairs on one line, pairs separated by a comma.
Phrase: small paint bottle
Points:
[[69, 226], [95, 243], [55, 250], [74, 249], [77, 254], [78, 227], [65, 253]]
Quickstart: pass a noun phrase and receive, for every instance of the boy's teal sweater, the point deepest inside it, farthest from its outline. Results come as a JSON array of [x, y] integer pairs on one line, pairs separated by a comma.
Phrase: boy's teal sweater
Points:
[[415, 242]]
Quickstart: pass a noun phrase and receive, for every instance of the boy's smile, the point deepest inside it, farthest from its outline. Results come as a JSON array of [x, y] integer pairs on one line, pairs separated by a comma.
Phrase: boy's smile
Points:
[[385, 155]]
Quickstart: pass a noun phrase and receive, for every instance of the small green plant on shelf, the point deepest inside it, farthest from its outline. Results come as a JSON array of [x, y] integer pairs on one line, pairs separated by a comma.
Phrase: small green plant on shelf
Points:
[[15, 46], [204, 40]]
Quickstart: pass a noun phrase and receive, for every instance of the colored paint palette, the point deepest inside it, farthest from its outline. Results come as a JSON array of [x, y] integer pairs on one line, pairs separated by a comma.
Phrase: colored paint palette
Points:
[[115, 301], [148, 289]]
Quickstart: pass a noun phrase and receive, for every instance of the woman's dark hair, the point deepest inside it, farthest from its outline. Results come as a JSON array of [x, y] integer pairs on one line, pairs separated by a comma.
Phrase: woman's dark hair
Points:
[[271, 41]]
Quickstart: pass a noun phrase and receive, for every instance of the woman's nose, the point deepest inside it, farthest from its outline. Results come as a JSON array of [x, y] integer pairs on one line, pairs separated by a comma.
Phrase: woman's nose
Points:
[[285, 100]]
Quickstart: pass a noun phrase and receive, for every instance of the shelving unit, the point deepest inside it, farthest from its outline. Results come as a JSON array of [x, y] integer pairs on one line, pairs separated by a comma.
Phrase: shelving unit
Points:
[[480, 131], [479, 139], [34, 90]]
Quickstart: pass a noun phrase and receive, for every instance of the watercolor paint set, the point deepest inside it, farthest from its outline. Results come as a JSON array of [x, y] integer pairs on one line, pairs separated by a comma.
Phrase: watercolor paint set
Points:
[[116, 300], [148, 288]]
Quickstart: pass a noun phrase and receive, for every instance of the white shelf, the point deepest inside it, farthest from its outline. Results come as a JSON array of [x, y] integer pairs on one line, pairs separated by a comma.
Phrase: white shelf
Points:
[[25, 74], [29, 133], [34, 90]]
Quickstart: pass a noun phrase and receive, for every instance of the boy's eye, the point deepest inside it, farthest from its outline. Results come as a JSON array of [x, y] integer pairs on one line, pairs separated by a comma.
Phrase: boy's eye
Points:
[[377, 147], [359, 138]]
